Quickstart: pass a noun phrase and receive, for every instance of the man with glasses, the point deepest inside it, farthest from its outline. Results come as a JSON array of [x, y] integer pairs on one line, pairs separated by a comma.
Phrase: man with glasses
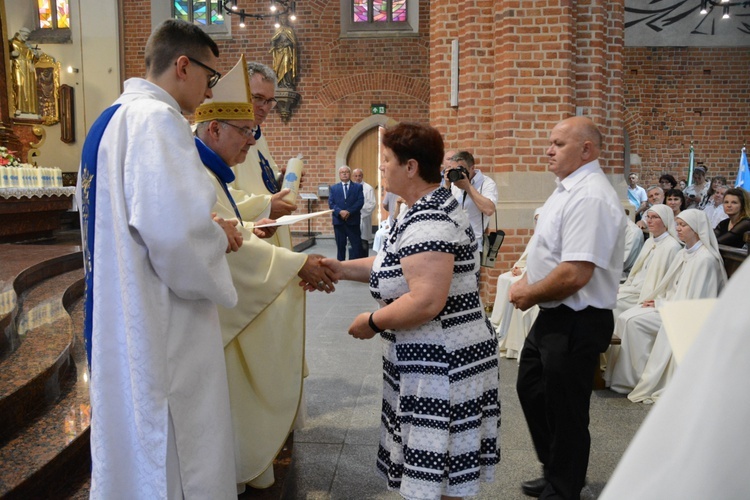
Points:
[[258, 195], [155, 269], [258, 176], [264, 364]]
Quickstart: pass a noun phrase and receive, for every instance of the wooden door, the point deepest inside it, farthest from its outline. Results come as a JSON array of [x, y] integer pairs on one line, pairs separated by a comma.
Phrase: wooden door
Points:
[[364, 154]]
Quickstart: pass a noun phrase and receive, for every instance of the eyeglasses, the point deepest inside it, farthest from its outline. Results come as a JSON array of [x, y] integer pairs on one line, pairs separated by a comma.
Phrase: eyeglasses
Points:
[[247, 132], [259, 100], [215, 75]]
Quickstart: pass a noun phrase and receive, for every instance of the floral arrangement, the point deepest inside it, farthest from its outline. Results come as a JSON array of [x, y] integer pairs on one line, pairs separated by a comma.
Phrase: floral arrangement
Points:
[[8, 158]]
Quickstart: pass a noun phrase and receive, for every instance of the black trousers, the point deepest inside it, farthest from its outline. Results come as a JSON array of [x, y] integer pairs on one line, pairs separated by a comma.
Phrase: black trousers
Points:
[[351, 232], [555, 379]]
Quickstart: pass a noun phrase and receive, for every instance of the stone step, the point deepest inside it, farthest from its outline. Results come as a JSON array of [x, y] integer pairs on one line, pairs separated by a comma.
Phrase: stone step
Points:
[[50, 456], [21, 267], [31, 377]]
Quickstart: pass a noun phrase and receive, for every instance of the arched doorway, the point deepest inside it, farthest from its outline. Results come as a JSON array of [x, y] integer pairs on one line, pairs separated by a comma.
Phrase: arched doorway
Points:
[[364, 154], [360, 148]]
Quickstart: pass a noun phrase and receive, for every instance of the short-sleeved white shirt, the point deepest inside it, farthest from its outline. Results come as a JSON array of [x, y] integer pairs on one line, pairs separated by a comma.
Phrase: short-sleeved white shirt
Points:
[[582, 220], [487, 188]]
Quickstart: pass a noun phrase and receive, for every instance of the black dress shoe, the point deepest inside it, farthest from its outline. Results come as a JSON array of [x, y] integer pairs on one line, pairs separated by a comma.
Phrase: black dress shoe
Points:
[[535, 487]]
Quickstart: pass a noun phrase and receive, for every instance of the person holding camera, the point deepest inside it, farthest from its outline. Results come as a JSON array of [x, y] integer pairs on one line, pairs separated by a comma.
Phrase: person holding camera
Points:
[[475, 192]]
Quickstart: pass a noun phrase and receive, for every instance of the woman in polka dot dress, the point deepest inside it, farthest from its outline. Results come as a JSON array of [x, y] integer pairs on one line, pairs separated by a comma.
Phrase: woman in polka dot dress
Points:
[[441, 408]]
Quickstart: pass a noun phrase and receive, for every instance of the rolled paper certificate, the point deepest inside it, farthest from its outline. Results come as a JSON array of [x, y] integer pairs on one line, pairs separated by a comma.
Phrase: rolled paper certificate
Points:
[[292, 177]]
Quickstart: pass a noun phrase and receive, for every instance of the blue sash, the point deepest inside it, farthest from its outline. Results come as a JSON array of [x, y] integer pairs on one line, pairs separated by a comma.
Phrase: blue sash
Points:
[[269, 179], [87, 180], [220, 169]]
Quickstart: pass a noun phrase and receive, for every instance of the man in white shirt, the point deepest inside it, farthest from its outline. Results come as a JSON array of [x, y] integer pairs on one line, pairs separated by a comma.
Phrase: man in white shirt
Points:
[[655, 197], [365, 224], [637, 196], [714, 208], [573, 271], [475, 192]]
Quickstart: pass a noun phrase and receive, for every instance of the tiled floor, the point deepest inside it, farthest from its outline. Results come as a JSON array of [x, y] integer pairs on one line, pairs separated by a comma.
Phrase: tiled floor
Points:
[[335, 452]]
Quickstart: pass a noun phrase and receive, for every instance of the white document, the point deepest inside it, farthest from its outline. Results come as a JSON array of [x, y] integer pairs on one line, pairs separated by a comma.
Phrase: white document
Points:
[[683, 320], [291, 219]]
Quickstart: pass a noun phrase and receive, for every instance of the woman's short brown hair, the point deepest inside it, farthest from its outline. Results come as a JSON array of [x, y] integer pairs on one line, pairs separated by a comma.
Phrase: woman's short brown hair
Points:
[[422, 143]]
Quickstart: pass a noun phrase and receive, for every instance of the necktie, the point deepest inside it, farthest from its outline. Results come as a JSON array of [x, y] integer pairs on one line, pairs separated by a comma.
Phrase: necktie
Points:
[[346, 189]]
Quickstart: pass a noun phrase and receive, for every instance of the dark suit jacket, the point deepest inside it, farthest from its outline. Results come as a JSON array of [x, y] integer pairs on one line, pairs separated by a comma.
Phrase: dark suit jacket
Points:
[[353, 203]]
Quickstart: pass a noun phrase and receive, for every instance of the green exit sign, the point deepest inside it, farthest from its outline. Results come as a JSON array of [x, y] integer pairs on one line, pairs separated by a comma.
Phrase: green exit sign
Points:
[[377, 109]]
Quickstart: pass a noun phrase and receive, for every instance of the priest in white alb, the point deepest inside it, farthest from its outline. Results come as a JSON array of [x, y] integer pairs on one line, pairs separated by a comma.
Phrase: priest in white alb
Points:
[[155, 269]]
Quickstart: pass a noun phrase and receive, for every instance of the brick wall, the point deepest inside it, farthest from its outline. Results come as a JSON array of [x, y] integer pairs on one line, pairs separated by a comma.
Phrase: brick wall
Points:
[[339, 80], [523, 68], [677, 95]]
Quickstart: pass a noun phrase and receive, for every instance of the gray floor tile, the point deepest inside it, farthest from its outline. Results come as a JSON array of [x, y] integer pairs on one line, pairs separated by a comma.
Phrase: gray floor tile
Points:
[[335, 453], [314, 468]]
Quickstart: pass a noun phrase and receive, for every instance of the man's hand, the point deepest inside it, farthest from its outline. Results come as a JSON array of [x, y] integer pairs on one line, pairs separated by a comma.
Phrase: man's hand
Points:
[[344, 214], [264, 232], [519, 294], [234, 237], [280, 207], [463, 183], [316, 276]]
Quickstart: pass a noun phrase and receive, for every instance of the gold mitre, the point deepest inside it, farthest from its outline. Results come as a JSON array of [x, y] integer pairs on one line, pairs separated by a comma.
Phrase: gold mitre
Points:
[[232, 98]]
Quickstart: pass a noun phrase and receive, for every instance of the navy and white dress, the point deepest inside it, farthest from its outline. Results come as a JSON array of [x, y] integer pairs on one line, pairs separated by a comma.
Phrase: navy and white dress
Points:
[[441, 407]]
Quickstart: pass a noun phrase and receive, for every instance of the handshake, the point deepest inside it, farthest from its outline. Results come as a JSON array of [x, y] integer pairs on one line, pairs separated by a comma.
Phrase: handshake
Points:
[[319, 273]]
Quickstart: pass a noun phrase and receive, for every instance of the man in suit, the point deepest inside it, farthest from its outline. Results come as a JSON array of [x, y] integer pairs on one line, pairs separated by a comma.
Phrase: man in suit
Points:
[[346, 199]]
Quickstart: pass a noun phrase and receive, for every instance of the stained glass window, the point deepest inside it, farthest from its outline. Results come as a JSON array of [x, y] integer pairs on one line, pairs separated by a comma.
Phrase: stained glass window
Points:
[[379, 11], [398, 10], [54, 14], [200, 12], [360, 10]]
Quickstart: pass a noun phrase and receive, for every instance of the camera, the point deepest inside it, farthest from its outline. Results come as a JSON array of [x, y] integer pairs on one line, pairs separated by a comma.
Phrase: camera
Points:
[[457, 173]]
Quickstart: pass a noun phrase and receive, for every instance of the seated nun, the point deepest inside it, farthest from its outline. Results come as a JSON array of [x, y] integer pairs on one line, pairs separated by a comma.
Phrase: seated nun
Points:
[[641, 369], [653, 261]]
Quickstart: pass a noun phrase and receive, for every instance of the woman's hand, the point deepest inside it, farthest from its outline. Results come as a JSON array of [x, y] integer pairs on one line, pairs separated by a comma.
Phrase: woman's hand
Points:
[[360, 327], [649, 303]]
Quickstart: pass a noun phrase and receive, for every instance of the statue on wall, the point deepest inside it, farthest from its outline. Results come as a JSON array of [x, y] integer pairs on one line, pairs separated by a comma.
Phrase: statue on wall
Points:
[[23, 59], [284, 50], [47, 88]]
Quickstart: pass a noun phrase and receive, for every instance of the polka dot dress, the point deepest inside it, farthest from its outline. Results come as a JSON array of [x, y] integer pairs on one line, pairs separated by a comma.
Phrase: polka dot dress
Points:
[[441, 407]]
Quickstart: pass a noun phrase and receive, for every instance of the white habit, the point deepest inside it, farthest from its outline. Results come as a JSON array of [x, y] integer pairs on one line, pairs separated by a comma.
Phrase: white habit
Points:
[[694, 443], [642, 367], [652, 264], [157, 359]]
